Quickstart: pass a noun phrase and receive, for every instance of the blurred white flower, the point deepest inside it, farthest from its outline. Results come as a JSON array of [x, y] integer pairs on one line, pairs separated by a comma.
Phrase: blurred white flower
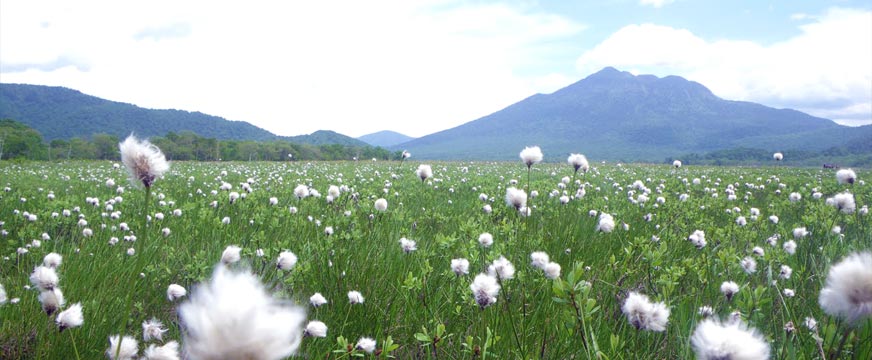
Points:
[[122, 348], [175, 291], [233, 317], [645, 315], [712, 340], [169, 351], [355, 297], [460, 266], [231, 254], [286, 260], [848, 290], [71, 317]]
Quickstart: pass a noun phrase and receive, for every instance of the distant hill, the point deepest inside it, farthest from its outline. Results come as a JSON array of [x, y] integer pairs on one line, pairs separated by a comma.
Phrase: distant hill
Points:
[[614, 115], [62, 113], [385, 138], [324, 137]]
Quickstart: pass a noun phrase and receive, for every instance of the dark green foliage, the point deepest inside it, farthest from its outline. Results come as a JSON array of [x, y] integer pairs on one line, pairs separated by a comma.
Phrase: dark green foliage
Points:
[[20, 141], [613, 115]]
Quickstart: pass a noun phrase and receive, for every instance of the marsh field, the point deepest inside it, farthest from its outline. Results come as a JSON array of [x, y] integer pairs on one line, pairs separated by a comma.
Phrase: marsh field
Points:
[[746, 249]]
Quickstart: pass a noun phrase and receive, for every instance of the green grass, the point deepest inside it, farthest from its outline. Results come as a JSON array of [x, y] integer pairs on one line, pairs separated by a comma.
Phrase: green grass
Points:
[[414, 298]]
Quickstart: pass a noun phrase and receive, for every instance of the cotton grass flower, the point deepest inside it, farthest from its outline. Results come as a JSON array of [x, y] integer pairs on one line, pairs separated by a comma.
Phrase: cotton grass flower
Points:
[[578, 162], [676, 164], [790, 247], [486, 240], [366, 344], [175, 292], [144, 161], [531, 155], [44, 278], [844, 202], [408, 245], [485, 290], [355, 297], [712, 340], [3, 297], [317, 300], [51, 300], [381, 205], [749, 265], [169, 351], [233, 317], [645, 315], [424, 172], [316, 329], [848, 290], [729, 288], [153, 329], [606, 223], [501, 269], [52, 260], [460, 266], [122, 348], [846, 176], [71, 317], [778, 156], [552, 270], [301, 191], [231, 254], [539, 259], [286, 261], [516, 197]]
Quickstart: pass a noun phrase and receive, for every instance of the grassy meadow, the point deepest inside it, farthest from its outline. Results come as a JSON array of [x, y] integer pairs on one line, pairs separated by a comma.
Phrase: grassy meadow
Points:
[[118, 265]]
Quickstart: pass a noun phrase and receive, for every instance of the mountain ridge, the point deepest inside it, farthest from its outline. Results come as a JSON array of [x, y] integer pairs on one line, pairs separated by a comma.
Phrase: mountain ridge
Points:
[[44, 107], [614, 115]]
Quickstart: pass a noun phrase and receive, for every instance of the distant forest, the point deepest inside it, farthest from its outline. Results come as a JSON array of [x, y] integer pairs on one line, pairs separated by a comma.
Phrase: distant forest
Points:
[[18, 141]]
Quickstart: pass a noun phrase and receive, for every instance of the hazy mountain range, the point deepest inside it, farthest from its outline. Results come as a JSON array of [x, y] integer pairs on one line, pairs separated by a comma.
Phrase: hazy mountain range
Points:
[[61, 113], [615, 115], [609, 115]]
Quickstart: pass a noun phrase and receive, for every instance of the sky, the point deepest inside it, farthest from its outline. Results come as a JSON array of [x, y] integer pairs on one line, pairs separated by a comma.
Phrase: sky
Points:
[[419, 67]]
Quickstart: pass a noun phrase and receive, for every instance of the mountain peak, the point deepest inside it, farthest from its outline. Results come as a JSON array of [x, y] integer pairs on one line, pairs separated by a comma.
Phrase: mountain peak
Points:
[[616, 115], [385, 138]]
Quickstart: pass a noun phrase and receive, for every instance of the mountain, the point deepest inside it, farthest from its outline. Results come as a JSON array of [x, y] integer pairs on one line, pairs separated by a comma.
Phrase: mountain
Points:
[[614, 115], [62, 113], [385, 138], [324, 137]]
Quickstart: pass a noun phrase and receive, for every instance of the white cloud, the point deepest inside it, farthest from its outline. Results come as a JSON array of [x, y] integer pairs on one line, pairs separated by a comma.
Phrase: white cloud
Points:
[[825, 70], [291, 67], [656, 3]]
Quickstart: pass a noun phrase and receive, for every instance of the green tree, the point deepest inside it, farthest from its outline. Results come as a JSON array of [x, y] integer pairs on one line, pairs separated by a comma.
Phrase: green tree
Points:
[[20, 141]]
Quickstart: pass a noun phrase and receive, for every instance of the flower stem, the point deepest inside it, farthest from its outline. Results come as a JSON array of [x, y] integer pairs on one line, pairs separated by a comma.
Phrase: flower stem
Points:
[[75, 349]]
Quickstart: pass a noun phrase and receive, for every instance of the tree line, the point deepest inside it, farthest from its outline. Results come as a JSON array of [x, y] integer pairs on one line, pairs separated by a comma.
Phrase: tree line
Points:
[[19, 141]]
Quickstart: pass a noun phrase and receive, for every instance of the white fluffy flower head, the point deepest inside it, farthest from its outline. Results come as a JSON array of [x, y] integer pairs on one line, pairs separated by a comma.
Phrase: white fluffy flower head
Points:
[[645, 315], [578, 162], [516, 197], [144, 161], [485, 290], [122, 348], [233, 317], [848, 290], [531, 155], [713, 341]]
